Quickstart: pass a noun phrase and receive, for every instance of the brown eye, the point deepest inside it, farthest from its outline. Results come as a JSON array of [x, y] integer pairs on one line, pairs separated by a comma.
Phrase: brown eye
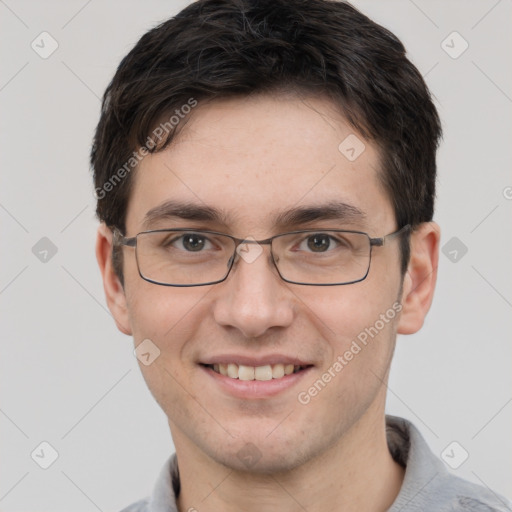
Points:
[[193, 242], [319, 242]]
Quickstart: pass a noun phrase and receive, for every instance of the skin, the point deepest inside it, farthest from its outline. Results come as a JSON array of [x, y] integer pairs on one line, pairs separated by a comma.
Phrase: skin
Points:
[[254, 157]]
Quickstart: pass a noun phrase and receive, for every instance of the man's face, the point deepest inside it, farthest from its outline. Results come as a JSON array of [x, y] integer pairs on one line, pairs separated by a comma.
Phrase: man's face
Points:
[[253, 159]]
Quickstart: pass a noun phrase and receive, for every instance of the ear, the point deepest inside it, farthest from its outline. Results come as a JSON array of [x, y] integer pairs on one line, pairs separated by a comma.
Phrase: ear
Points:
[[114, 292], [420, 278]]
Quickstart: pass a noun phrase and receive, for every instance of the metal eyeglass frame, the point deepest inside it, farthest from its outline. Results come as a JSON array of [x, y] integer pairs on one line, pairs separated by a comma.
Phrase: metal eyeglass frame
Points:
[[120, 240]]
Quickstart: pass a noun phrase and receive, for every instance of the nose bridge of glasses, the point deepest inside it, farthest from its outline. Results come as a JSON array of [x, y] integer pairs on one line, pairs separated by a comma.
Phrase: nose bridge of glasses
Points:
[[252, 240], [249, 249]]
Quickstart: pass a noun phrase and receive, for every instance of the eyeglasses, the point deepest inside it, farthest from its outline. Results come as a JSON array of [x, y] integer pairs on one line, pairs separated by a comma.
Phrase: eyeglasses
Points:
[[316, 257]]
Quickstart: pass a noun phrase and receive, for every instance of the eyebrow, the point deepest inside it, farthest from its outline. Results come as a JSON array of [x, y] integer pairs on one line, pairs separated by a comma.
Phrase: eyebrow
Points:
[[182, 210], [333, 210]]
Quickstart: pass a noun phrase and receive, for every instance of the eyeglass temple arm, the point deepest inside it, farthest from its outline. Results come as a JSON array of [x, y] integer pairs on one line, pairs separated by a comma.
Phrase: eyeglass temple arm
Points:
[[119, 239], [380, 241]]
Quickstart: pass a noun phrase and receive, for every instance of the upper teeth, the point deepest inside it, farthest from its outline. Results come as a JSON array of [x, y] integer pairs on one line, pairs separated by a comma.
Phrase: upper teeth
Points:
[[267, 372]]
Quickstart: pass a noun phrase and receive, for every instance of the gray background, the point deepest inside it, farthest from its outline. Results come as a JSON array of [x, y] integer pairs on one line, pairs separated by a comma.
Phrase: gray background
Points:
[[69, 377]]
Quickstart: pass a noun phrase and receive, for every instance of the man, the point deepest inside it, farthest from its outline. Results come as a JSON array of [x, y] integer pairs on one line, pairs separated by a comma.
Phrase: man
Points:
[[265, 175]]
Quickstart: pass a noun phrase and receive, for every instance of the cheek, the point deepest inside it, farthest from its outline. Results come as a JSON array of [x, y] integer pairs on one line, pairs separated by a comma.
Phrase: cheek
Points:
[[168, 317], [161, 313], [355, 369], [342, 313], [358, 323]]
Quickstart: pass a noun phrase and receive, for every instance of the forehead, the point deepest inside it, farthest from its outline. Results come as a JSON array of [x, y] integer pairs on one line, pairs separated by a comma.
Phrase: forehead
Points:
[[252, 160]]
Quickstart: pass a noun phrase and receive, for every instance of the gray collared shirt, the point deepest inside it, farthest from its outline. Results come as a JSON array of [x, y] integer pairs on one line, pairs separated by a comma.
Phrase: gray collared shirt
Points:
[[427, 486]]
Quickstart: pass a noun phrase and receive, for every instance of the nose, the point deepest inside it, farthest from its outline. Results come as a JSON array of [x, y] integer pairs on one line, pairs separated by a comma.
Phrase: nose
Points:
[[253, 298]]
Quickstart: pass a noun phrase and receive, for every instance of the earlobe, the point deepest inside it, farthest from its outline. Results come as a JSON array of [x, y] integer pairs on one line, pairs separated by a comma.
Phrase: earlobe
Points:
[[114, 292], [420, 279]]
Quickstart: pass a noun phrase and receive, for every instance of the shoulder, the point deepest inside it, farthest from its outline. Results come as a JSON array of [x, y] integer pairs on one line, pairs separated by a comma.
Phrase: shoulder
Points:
[[428, 485], [138, 506], [455, 494]]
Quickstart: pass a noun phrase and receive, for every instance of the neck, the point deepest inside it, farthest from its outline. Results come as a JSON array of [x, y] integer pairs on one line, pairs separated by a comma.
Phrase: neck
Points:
[[356, 474]]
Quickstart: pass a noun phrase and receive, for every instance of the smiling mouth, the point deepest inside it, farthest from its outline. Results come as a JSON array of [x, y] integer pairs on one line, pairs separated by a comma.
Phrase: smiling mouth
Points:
[[262, 373]]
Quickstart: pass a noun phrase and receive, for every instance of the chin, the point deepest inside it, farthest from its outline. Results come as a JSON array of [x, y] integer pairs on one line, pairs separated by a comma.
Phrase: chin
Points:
[[250, 459], [256, 452]]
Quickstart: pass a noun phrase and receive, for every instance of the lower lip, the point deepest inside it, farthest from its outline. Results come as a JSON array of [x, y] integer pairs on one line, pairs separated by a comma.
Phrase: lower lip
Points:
[[255, 388]]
